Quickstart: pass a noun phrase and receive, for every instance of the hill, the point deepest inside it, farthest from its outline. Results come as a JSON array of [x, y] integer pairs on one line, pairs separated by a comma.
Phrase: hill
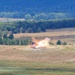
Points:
[[37, 5], [32, 9]]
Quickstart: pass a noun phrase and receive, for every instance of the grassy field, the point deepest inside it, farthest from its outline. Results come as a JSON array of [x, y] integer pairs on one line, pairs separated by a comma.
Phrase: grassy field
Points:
[[22, 60], [67, 34], [54, 60]]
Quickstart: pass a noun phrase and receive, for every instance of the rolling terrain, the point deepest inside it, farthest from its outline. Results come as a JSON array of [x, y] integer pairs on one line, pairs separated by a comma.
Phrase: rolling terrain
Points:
[[54, 60], [65, 34], [37, 6], [21, 60], [24, 60], [18, 9]]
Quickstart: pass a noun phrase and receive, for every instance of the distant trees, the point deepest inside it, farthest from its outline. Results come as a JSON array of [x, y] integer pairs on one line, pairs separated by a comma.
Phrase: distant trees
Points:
[[46, 16], [11, 36], [0, 34], [39, 30], [28, 17], [29, 30], [35, 26], [1, 41], [37, 16], [12, 14], [8, 28], [5, 36], [14, 41], [9, 40]]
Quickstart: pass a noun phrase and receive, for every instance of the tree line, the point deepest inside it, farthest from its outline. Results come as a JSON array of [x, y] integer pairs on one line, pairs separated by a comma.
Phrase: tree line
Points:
[[10, 40], [35, 26], [37, 16]]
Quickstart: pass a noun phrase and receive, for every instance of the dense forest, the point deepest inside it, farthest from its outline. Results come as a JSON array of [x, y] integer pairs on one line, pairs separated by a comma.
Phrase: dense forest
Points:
[[36, 26], [37, 16], [37, 5], [35, 8], [7, 29]]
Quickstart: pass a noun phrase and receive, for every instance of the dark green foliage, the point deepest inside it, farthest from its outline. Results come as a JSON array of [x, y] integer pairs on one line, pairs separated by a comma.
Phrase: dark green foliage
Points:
[[1, 41], [29, 30], [8, 28], [0, 34], [19, 8], [11, 36], [36, 26], [21, 41], [24, 42], [58, 42], [5, 36], [6, 41], [39, 30]]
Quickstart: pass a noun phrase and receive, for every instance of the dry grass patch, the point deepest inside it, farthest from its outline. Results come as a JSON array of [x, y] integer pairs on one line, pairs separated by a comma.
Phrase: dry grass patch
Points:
[[22, 60]]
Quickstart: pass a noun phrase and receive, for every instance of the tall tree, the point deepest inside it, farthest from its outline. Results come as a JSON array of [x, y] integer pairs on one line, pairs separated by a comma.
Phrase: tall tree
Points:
[[5, 36], [11, 36]]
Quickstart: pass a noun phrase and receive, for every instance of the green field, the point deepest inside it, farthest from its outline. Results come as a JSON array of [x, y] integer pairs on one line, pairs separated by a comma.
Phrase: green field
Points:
[[22, 68]]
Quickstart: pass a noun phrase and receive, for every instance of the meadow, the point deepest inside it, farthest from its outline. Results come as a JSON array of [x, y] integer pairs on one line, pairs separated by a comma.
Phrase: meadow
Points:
[[21, 60], [54, 60], [65, 34]]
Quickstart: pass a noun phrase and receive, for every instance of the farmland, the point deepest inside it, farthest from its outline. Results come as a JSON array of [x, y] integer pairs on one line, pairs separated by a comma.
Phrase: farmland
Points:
[[54, 60]]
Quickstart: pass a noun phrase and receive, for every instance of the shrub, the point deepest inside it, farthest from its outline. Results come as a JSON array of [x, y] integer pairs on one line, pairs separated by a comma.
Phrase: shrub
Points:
[[64, 43], [6, 41], [51, 43], [58, 42]]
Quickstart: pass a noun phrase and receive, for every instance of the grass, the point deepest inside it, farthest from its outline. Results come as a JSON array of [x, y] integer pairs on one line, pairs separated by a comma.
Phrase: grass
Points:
[[56, 60], [40, 66], [36, 68], [66, 34]]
